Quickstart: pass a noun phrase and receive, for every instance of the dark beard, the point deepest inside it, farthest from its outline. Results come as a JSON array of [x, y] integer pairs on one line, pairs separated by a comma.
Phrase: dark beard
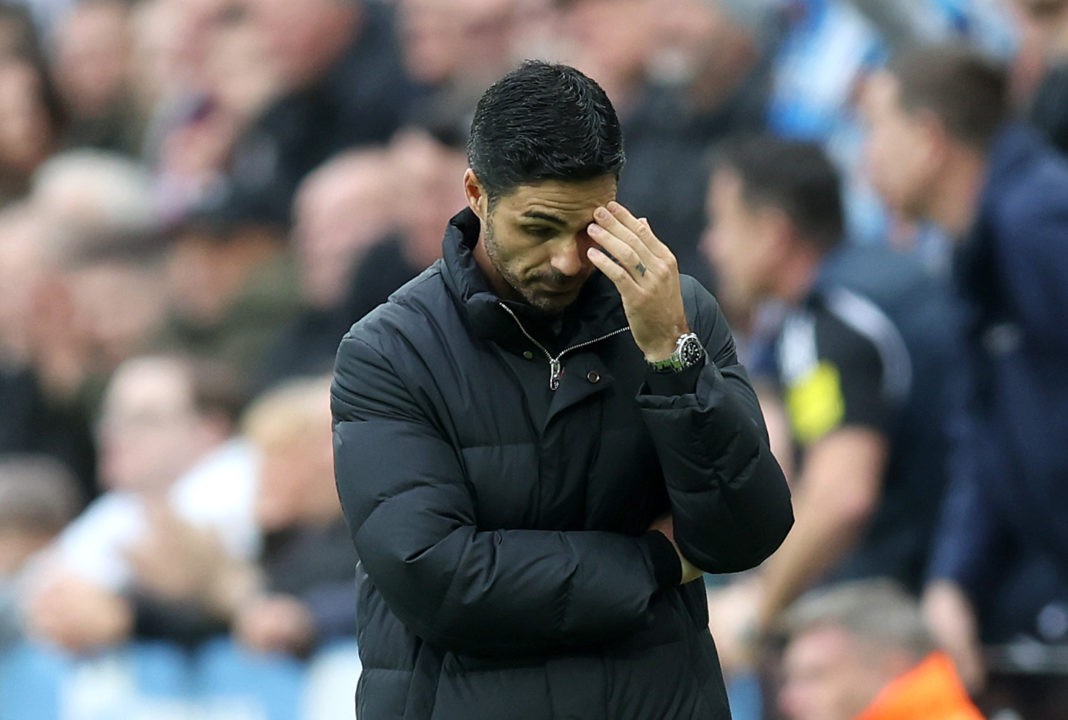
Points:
[[553, 277]]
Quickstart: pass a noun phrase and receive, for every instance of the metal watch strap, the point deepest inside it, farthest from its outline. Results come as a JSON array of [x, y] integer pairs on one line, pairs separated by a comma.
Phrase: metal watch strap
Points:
[[688, 352]]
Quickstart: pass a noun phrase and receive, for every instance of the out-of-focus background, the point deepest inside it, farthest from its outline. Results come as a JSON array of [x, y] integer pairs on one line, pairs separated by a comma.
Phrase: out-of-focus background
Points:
[[199, 197]]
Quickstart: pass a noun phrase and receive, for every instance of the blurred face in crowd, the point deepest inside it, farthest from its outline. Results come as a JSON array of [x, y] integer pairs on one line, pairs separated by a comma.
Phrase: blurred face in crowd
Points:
[[207, 268], [740, 242], [304, 38], [91, 56], [21, 269], [689, 32], [149, 431], [534, 240], [118, 305], [431, 39], [26, 133], [456, 40], [428, 170], [828, 676], [1045, 23], [239, 68], [341, 210], [900, 151], [297, 478], [610, 38]]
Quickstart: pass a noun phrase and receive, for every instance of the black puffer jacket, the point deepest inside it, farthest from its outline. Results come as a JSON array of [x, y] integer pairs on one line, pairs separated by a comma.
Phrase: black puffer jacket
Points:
[[506, 571]]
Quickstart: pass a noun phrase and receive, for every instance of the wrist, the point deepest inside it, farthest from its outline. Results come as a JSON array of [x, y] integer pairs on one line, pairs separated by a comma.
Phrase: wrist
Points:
[[664, 347], [687, 352]]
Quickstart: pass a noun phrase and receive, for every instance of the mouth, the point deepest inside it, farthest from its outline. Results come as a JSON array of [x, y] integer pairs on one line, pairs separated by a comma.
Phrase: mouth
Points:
[[557, 290]]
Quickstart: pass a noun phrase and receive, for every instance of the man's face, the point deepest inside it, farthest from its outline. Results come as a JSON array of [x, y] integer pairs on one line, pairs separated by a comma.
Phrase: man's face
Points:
[[148, 426], [737, 242], [827, 676], [898, 148], [1042, 23], [534, 239]]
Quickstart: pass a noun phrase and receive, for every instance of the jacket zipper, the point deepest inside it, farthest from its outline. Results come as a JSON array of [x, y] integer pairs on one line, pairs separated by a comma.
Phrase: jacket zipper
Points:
[[556, 368]]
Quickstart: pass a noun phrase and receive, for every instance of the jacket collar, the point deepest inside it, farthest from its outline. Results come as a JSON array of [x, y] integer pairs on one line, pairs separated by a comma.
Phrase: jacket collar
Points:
[[598, 309]]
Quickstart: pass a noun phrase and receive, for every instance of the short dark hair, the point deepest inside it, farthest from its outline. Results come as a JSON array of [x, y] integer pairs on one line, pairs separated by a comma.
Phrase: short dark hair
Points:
[[543, 121], [966, 90], [793, 176]]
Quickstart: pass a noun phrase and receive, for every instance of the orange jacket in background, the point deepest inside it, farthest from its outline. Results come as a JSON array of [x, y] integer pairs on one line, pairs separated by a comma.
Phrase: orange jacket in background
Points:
[[930, 691]]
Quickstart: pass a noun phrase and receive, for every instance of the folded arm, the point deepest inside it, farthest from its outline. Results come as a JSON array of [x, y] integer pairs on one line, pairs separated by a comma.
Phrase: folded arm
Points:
[[413, 521]]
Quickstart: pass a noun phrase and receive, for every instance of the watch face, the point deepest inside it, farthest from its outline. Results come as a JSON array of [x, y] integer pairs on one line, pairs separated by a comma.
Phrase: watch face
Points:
[[691, 351]]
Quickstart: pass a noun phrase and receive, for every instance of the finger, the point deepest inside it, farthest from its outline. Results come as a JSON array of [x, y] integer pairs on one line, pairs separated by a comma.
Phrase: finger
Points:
[[625, 254], [614, 226], [639, 227], [622, 279]]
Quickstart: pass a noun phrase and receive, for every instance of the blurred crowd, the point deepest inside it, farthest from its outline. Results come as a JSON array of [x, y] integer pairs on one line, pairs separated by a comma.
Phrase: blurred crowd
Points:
[[199, 197]]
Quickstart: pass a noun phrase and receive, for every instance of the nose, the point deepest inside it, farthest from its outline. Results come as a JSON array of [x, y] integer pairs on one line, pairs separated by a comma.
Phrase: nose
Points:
[[708, 243], [715, 246], [569, 256]]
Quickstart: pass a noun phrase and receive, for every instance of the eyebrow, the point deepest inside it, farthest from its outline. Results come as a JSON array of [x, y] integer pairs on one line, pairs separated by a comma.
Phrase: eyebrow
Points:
[[538, 215]]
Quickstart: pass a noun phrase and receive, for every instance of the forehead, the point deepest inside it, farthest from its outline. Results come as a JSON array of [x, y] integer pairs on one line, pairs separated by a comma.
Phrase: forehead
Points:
[[561, 199], [726, 195], [820, 646], [881, 94], [726, 184], [149, 382]]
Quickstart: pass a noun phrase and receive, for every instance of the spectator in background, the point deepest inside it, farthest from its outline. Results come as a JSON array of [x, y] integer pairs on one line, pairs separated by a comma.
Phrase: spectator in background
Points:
[[17, 34], [1045, 29], [112, 572], [940, 149], [102, 306], [707, 81], [342, 210], [608, 40], [227, 76], [38, 497], [85, 191], [230, 286], [31, 419], [80, 293], [307, 595], [426, 161], [453, 49], [97, 299], [297, 592], [31, 122], [863, 359], [342, 84], [860, 651], [91, 67]]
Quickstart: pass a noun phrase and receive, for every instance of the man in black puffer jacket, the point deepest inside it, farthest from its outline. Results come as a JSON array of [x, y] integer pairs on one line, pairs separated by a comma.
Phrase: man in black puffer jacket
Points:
[[543, 440]]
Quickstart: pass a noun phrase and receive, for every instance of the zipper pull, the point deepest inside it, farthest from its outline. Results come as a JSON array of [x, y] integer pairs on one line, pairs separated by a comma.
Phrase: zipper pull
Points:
[[556, 369]]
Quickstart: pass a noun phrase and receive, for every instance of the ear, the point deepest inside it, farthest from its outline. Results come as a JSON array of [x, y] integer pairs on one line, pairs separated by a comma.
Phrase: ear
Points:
[[477, 199], [778, 233]]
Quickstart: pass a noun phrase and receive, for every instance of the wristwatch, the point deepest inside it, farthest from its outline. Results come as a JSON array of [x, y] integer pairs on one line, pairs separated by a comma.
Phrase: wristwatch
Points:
[[688, 352]]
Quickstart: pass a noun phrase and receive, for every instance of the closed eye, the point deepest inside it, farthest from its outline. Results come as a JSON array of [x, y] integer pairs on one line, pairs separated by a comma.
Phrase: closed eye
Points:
[[542, 232]]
